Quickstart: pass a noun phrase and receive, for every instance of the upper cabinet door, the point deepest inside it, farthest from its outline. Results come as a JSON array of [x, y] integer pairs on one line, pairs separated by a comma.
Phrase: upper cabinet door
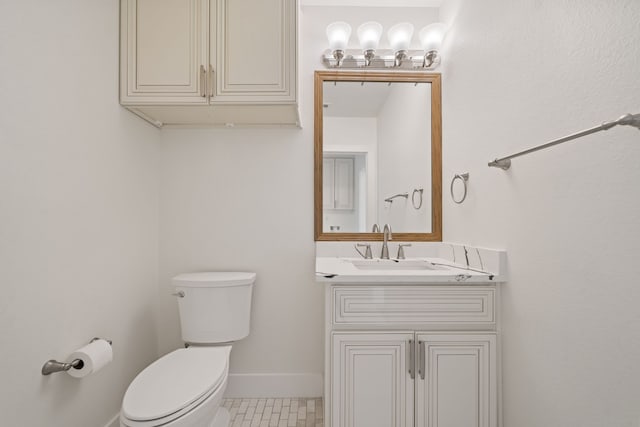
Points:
[[253, 51], [164, 52]]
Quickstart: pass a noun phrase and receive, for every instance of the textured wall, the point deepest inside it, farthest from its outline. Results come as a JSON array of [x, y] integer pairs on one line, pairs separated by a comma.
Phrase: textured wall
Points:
[[78, 214], [518, 74]]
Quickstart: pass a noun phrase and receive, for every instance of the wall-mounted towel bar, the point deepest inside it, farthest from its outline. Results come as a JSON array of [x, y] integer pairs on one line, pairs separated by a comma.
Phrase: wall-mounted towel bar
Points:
[[628, 119], [390, 199]]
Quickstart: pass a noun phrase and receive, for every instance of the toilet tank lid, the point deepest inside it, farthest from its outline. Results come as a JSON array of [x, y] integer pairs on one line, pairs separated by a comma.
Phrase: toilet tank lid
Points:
[[213, 279]]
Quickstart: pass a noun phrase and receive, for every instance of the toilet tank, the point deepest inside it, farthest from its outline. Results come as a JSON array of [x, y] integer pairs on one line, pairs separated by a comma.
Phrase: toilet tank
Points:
[[215, 307]]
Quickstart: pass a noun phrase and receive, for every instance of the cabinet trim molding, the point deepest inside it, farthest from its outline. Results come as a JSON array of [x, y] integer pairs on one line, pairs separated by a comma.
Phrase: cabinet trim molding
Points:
[[409, 305]]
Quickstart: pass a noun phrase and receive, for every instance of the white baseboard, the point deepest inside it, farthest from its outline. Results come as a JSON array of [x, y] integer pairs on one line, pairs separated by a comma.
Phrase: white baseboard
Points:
[[114, 422], [274, 385]]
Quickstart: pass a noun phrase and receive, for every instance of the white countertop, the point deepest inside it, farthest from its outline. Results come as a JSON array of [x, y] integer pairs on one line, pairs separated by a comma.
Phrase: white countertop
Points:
[[436, 270]]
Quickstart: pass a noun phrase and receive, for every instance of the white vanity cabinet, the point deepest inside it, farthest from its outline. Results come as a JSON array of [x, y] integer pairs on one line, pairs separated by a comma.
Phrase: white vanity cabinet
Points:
[[411, 355], [221, 62]]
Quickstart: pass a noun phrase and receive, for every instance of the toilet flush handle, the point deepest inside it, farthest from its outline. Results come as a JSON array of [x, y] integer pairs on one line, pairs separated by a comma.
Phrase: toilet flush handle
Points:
[[179, 294]]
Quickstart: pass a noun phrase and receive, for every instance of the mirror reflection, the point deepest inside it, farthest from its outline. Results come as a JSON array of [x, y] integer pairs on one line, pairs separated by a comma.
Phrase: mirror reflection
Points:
[[378, 155]]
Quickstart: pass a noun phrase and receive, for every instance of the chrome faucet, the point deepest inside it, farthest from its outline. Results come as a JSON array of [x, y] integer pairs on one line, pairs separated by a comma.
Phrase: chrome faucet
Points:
[[386, 236], [375, 228]]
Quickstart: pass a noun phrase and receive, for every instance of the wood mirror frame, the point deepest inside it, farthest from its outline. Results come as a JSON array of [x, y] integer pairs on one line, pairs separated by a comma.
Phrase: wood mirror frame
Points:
[[436, 151]]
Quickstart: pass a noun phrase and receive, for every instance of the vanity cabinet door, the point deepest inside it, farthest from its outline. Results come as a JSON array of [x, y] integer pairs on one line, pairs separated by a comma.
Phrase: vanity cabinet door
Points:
[[456, 383], [163, 52], [370, 381], [253, 50]]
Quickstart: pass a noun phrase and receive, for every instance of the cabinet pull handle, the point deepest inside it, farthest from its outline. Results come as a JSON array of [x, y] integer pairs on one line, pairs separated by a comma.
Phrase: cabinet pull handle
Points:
[[412, 372], [421, 367], [211, 71], [203, 88]]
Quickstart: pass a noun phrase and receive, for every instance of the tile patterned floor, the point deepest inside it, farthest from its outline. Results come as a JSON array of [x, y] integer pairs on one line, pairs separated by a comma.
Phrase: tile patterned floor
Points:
[[290, 412]]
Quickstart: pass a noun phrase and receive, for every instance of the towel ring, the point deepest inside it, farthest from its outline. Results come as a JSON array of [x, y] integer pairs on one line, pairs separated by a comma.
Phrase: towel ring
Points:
[[419, 191], [464, 178]]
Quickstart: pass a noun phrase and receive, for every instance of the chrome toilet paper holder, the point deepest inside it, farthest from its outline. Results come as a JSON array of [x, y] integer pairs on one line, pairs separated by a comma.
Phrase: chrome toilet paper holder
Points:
[[53, 366]]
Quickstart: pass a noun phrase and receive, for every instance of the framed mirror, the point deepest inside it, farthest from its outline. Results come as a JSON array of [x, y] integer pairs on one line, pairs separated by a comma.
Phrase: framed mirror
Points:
[[378, 155]]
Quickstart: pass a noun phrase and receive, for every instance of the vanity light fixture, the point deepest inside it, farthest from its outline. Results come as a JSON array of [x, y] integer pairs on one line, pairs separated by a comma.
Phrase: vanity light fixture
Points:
[[400, 55], [369, 37], [400, 38], [338, 34], [431, 38]]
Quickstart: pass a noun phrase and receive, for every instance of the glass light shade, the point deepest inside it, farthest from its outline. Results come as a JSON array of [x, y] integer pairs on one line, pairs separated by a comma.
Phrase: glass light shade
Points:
[[400, 36], [431, 36], [369, 35], [338, 34]]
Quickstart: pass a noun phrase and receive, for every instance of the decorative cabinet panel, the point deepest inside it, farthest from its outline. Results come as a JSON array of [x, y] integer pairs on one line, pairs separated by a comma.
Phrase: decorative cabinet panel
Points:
[[371, 386], [254, 51], [458, 386], [418, 368], [238, 58], [406, 305], [337, 183], [164, 50]]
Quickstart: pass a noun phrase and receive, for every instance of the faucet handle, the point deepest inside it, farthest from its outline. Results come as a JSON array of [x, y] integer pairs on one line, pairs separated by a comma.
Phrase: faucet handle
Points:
[[401, 247], [367, 252]]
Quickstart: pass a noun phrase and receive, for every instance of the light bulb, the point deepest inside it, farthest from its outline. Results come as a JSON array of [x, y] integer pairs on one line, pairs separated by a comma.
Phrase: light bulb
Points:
[[431, 36], [400, 36], [369, 35], [338, 34]]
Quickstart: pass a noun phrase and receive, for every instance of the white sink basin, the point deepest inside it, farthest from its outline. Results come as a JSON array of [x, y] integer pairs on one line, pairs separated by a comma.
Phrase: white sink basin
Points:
[[391, 264]]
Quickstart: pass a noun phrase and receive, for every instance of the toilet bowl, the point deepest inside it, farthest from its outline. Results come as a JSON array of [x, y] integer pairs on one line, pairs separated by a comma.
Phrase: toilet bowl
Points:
[[184, 388]]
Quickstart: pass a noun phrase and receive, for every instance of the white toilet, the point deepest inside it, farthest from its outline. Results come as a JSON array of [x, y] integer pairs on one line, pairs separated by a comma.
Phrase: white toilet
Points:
[[184, 388]]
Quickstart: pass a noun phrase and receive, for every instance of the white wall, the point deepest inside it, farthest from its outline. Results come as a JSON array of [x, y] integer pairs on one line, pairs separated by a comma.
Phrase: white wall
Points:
[[78, 214], [517, 74], [404, 160]]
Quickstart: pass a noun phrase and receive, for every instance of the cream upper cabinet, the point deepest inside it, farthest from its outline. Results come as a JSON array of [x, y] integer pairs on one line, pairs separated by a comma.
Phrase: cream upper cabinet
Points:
[[237, 58], [164, 48], [253, 50]]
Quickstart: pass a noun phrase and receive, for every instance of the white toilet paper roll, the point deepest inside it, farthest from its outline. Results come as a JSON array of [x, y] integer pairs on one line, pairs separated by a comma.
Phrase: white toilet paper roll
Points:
[[94, 357]]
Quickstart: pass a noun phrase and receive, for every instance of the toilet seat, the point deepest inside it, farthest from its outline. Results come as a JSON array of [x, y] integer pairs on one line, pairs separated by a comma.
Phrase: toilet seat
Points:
[[174, 385]]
